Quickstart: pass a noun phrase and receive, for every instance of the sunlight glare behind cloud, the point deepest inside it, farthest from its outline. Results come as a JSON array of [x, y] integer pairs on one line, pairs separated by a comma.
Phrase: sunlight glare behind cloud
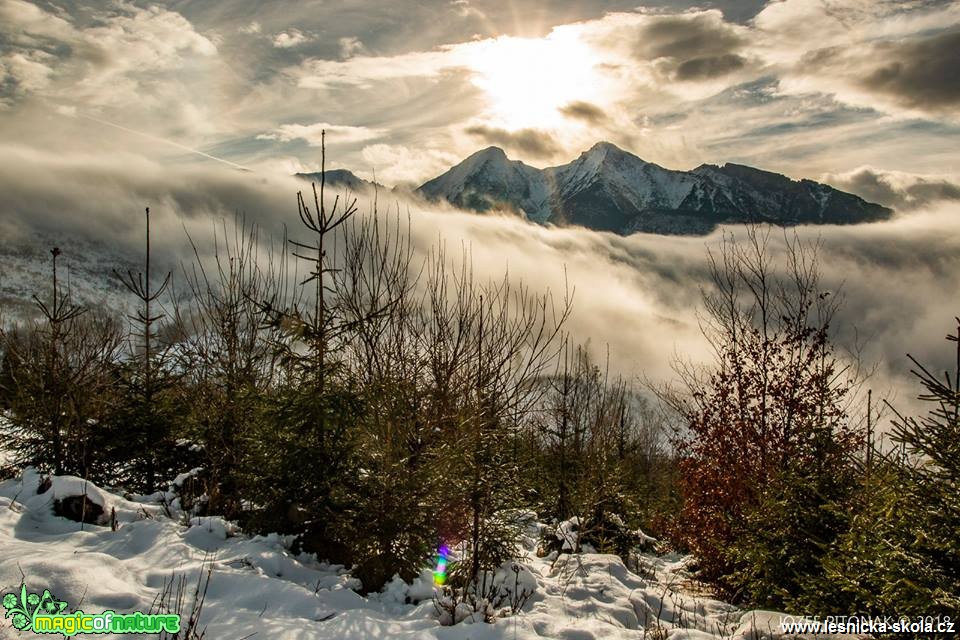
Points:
[[528, 80]]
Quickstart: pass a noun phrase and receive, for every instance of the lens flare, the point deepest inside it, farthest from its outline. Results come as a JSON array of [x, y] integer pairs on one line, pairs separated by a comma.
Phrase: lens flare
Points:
[[440, 573]]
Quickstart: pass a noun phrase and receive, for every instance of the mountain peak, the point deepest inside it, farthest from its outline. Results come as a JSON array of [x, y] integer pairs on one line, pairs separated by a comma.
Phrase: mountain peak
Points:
[[488, 179], [609, 189], [491, 152], [339, 177], [493, 157], [756, 178], [606, 153], [604, 147], [603, 150]]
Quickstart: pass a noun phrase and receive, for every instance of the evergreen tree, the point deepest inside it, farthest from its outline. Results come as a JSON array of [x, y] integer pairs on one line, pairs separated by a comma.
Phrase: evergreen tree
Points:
[[303, 463], [150, 408], [395, 501], [902, 552], [227, 360], [57, 386], [589, 436], [780, 543], [512, 340]]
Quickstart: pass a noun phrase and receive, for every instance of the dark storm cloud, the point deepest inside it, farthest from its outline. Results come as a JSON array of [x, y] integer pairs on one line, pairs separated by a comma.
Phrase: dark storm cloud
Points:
[[923, 73], [528, 141], [585, 111], [916, 72], [896, 190]]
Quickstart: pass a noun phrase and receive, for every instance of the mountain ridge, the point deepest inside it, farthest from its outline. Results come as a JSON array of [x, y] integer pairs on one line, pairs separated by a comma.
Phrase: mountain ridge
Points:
[[338, 177], [607, 188]]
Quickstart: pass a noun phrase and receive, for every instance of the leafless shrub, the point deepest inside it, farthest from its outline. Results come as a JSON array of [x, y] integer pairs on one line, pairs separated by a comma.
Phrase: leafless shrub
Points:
[[176, 597]]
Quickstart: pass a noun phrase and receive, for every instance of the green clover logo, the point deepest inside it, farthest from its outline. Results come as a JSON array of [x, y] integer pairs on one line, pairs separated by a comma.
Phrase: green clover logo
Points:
[[23, 607]]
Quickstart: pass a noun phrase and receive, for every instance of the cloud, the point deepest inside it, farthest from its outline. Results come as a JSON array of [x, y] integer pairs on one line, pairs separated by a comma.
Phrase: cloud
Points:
[[645, 71], [29, 72], [696, 46], [531, 142], [701, 68], [465, 10], [894, 57], [105, 192], [27, 24], [639, 294], [350, 46], [363, 70], [805, 88], [921, 73], [687, 36], [312, 133], [896, 189], [582, 110], [290, 38], [123, 57], [402, 165]]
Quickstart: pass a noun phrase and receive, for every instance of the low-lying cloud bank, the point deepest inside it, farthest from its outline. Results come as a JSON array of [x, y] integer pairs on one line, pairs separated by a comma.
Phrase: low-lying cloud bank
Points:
[[637, 294], [896, 189]]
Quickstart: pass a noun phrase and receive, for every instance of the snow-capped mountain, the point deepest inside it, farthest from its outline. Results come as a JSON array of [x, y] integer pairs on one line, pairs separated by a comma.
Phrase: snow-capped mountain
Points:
[[610, 189], [488, 179]]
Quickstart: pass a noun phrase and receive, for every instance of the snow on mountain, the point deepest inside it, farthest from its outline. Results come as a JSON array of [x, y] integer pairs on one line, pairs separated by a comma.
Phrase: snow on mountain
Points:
[[645, 183], [609, 189], [788, 201], [489, 180]]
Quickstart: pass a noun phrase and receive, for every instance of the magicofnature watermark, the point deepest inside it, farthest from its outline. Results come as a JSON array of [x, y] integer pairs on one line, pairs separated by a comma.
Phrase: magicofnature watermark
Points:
[[43, 613]]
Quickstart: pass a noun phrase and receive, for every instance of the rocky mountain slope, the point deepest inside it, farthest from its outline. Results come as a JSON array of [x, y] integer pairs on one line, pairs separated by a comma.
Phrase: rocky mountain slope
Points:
[[609, 189]]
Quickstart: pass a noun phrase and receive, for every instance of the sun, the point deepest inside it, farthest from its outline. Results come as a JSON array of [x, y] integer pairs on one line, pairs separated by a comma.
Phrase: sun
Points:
[[529, 80]]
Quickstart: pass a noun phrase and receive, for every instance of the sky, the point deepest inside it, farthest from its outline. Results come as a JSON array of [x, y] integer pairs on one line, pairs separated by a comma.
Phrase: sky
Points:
[[201, 109], [809, 88]]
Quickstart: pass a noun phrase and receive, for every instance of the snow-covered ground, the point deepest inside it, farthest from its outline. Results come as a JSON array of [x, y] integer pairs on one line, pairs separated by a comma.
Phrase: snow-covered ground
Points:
[[85, 271], [258, 589]]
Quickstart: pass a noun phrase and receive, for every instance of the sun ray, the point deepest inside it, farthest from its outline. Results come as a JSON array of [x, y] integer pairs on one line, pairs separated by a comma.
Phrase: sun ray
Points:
[[528, 80]]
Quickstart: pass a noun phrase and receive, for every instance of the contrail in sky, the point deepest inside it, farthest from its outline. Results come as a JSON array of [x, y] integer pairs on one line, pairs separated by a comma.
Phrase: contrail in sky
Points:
[[164, 140]]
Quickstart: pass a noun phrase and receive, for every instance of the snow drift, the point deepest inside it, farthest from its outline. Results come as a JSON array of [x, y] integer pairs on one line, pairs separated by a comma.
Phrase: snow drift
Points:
[[258, 588]]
